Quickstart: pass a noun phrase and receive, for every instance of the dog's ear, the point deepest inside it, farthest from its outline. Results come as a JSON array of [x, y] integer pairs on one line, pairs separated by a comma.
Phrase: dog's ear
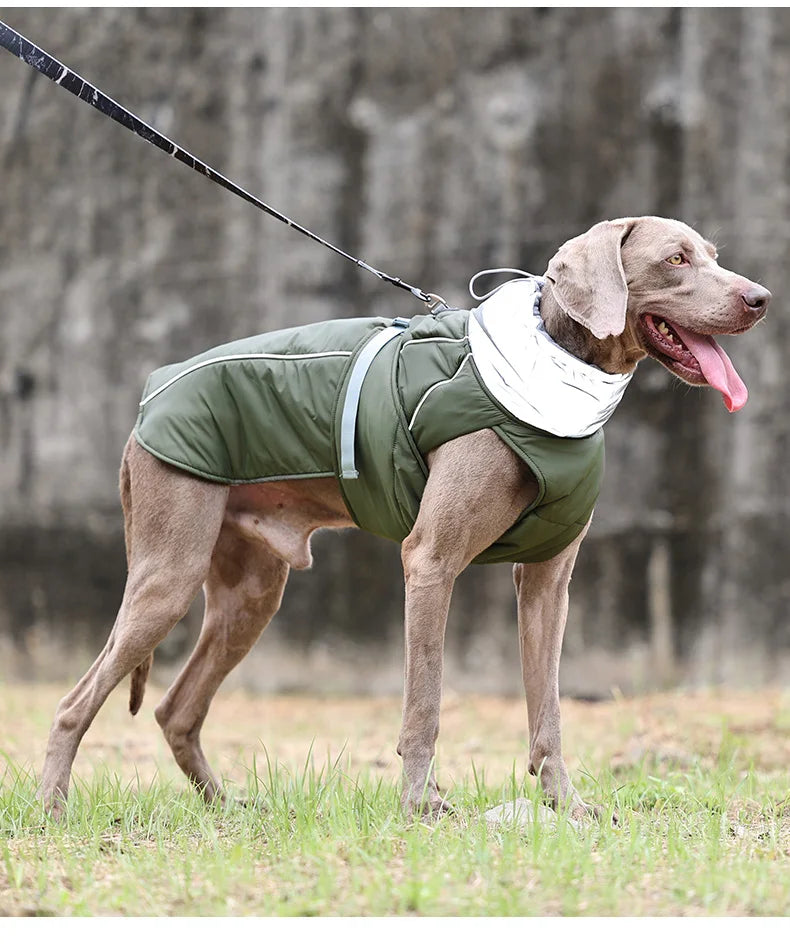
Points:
[[588, 280]]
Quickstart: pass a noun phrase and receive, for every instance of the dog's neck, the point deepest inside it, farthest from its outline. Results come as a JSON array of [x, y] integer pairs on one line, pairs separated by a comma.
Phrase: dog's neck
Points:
[[535, 378], [615, 354]]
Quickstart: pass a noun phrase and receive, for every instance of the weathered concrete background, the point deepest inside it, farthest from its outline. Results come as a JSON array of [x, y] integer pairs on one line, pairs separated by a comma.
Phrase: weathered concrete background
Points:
[[432, 143]]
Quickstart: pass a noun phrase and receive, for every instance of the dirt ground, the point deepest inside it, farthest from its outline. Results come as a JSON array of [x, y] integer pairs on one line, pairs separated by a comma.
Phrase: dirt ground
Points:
[[679, 730]]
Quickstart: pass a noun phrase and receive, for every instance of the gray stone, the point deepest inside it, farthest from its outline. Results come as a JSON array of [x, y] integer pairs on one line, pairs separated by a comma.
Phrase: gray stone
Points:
[[524, 814]]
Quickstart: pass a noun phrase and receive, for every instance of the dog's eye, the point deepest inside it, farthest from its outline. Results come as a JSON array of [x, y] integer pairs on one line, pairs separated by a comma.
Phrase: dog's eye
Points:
[[676, 260]]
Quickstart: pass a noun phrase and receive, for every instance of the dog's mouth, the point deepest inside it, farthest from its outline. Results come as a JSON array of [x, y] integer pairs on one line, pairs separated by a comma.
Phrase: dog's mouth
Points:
[[696, 358]]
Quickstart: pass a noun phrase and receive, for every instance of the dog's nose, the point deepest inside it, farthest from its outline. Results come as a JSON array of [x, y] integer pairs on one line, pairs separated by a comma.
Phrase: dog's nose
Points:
[[756, 297]]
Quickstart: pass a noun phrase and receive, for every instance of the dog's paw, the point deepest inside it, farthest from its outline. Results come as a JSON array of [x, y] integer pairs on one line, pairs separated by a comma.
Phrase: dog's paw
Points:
[[580, 811], [427, 807], [435, 810], [53, 804]]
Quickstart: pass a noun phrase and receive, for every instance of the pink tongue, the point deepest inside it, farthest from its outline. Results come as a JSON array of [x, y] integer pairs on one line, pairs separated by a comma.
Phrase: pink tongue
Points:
[[716, 367]]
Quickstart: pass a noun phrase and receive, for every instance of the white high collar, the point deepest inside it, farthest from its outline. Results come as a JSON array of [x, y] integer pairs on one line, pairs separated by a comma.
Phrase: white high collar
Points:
[[534, 378]]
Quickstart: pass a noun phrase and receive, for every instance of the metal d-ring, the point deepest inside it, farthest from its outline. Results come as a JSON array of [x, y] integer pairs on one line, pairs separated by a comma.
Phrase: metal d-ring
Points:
[[435, 303]]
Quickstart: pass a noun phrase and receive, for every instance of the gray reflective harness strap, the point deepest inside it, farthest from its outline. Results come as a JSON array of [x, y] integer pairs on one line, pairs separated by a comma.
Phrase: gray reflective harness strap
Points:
[[348, 419]]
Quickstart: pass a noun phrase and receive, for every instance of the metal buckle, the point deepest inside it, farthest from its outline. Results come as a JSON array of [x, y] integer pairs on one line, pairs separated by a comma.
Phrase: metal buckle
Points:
[[436, 304]]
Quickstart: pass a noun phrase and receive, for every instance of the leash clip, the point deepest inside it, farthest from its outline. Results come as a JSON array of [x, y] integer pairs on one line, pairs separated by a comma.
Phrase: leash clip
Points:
[[435, 303]]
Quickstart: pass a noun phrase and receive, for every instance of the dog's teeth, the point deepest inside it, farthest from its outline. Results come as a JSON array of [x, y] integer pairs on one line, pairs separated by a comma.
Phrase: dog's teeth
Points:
[[663, 328]]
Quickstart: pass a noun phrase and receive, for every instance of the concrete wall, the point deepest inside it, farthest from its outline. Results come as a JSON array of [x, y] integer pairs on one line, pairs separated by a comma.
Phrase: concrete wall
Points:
[[432, 143]]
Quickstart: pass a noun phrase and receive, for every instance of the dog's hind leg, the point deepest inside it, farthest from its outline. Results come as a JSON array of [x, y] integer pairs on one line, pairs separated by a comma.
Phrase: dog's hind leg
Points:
[[243, 592], [177, 519]]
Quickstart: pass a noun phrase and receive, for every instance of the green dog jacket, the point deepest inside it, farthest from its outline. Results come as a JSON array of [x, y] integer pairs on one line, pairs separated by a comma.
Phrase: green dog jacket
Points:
[[365, 401]]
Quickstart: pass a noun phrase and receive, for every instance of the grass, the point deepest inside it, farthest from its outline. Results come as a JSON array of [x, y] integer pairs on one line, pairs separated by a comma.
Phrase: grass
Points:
[[704, 816]]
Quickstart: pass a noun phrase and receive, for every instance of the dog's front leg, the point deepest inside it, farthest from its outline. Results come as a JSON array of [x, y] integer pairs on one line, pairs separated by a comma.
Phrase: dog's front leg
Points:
[[475, 491], [429, 585], [542, 591]]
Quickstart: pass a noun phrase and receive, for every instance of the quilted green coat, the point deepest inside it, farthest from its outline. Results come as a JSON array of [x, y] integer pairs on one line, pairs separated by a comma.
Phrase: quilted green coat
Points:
[[289, 404]]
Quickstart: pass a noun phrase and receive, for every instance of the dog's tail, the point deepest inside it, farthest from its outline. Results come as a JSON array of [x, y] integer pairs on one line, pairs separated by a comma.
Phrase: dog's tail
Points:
[[139, 678], [140, 674]]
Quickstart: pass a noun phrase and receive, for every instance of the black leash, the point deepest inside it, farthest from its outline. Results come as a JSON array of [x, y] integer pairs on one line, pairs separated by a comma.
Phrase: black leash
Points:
[[63, 76]]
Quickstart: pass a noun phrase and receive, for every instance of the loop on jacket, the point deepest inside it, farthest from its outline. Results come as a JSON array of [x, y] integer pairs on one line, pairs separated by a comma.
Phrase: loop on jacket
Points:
[[484, 273]]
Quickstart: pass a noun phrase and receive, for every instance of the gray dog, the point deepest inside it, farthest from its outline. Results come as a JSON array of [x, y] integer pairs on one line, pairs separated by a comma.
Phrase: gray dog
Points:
[[492, 451]]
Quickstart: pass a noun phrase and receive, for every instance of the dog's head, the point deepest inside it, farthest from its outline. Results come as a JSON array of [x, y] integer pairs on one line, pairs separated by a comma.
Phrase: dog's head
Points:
[[655, 285]]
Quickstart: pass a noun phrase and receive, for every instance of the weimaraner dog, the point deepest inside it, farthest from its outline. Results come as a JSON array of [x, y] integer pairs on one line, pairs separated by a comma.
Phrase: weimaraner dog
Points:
[[626, 289]]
